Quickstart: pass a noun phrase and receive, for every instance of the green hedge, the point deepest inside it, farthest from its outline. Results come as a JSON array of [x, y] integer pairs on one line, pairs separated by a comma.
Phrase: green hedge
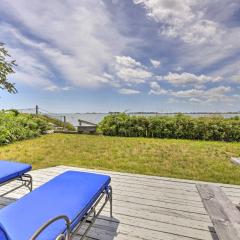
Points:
[[16, 126], [178, 126]]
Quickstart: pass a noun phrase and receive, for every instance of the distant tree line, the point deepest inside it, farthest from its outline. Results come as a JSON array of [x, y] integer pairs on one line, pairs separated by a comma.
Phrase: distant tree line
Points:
[[179, 127]]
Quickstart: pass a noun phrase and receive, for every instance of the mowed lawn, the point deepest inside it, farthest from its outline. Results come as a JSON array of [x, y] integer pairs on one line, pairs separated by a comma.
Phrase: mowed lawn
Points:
[[199, 160]]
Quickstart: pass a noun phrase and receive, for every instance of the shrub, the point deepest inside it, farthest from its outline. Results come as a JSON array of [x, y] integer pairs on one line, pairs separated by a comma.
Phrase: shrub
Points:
[[18, 126], [179, 126]]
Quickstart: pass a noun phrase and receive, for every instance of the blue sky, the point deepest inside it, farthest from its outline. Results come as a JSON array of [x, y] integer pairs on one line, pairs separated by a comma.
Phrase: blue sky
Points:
[[141, 55]]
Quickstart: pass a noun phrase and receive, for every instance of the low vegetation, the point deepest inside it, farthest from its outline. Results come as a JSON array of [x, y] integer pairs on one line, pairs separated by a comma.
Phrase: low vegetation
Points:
[[179, 127], [15, 126], [189, 159], [57, 122]]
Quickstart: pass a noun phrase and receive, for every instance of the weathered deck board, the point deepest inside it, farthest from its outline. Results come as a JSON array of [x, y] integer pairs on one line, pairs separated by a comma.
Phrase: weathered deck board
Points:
[[223, 213], [145, 207]]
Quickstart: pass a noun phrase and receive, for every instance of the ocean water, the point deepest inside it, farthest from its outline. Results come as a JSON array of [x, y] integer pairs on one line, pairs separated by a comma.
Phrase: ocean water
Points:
[[90, 117], [98, 117]]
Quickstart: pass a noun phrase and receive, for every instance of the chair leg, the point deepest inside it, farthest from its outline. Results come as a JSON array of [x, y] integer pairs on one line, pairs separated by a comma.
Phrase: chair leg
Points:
[[28, 181], [31, 184], [111, 201]]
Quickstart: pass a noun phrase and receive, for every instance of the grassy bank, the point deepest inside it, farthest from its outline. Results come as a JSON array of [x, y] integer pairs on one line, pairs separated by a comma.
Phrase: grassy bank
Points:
[[200, 160]]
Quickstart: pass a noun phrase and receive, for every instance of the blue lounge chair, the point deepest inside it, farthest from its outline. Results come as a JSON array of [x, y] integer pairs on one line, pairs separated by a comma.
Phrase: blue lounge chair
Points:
[[57, 209], [11, 171]]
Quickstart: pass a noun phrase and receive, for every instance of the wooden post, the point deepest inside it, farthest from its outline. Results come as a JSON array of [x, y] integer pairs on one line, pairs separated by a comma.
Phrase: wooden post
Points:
[[37, 109], [64, 122]]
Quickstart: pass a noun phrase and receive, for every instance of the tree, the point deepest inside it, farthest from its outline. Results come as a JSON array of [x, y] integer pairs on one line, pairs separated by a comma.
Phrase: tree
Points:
[[6, 68]]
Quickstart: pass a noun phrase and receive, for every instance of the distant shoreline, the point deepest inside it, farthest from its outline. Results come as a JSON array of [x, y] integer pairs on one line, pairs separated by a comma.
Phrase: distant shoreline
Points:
[[160, 113], [95, 117]]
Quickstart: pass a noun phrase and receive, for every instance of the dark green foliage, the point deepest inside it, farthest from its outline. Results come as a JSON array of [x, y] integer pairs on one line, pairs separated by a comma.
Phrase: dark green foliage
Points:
[[16, 126], [179, 127], [6, 68], [15, 111]]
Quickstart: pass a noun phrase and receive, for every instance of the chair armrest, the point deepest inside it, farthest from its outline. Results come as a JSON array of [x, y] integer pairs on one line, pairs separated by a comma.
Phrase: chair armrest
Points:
[[48, 223]]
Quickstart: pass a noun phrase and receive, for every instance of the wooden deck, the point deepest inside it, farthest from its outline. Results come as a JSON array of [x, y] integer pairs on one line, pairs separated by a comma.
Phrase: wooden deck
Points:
[[144, 207]]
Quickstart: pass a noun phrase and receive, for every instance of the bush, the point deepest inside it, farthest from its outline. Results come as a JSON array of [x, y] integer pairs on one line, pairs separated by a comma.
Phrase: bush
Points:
[[16, 126], [179, 126]]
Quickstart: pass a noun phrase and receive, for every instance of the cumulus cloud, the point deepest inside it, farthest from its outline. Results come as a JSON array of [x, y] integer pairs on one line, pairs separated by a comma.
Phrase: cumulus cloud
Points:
[[188, 78], [184, 19], [156, 89], [137, 75], [128, 70], [211, 94], [127, 61], [194, 95], [128, 91], [155, 63]]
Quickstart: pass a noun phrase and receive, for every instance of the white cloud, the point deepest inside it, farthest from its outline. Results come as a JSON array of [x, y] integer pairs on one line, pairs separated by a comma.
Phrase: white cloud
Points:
[[198, 59], [108, 76], [55, 88], [188, 93], [52, 88], [29, 70], [214, 94], [187, 78], [78, 38], [217, 91], [127, 61], [210, 95], [207, 38], [128, 91], [172, 12], [156, 89], [136, 75], [195, 100], [203, 31], [155, 63], [184, 19], [129, 71]]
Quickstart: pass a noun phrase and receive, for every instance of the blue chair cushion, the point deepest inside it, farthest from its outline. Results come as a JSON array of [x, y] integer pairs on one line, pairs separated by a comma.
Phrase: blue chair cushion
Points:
[[68, 194], [10, 170]]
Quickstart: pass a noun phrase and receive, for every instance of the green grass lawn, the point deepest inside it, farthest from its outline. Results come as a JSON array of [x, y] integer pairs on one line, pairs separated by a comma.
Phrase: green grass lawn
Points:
[[208, 161]]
